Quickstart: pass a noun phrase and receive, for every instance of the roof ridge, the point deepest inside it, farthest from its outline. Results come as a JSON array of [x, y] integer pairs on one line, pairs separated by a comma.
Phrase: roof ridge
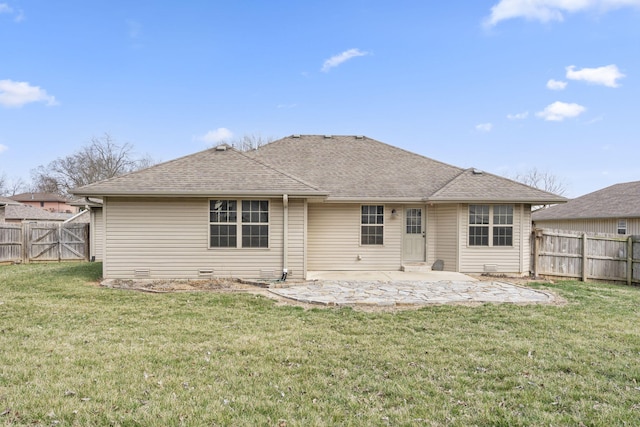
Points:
[[288, 175], [450, 182]]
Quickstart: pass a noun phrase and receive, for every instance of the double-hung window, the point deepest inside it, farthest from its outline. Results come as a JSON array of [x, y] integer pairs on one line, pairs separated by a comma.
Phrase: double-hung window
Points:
[[495, 221], [372, 225], [250, 229], [622, 226], [255, 224]]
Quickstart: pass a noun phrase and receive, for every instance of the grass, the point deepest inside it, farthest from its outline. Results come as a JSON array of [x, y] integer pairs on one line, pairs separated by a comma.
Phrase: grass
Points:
[[74, 354]]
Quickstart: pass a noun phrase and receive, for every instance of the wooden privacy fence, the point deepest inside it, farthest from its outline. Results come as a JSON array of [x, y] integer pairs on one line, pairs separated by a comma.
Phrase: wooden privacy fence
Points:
[[586, 256], [34, 242]]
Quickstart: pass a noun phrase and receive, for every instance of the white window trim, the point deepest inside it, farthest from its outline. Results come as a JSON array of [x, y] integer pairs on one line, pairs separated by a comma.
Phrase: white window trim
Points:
[[624, 227], [238, 224], [491, 225], [383, 225]]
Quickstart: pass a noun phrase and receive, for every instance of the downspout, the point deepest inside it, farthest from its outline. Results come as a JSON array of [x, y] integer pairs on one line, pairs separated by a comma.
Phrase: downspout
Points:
[[285, 236]]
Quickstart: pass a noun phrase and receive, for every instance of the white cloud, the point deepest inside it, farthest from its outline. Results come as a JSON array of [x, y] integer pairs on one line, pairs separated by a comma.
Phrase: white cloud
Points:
[[606, 76], [484, 127], [558, 111], [336, 60], [556, 85], [17, 94], [550, 10], [518, 116], [216, 136], [5, 8], [3, 148]]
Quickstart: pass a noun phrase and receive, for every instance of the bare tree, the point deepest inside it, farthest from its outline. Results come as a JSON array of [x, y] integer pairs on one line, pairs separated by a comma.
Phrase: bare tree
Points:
[[101, 158], [543, 181], [248, 142], [11, 187]]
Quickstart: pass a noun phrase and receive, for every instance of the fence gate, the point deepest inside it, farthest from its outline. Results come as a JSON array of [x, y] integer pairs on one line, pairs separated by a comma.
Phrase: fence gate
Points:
[[57, 242]]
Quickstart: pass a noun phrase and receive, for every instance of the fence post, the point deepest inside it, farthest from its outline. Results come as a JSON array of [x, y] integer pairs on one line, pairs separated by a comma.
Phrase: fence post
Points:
[[536, 251], [584, 257], [26, 230], [630, 258]]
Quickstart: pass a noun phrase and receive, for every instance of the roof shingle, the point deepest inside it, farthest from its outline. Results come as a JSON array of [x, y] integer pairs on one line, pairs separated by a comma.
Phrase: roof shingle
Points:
[[338, 167], [617, 201], [214, 171]]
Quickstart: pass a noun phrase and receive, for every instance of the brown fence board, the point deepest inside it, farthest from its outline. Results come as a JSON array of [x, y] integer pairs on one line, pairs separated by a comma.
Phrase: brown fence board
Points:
[[586, 256], [11, 243], [33, 242]]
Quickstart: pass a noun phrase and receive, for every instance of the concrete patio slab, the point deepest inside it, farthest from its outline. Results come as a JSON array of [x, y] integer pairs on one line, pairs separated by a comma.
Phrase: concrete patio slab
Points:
[[396, 288]]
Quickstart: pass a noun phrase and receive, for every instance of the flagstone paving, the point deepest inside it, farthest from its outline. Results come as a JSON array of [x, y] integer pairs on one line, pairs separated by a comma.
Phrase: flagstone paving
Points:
[[405, 292]]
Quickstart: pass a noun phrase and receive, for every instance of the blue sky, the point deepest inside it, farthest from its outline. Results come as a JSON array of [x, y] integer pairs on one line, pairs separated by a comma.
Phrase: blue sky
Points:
[[500, 85]]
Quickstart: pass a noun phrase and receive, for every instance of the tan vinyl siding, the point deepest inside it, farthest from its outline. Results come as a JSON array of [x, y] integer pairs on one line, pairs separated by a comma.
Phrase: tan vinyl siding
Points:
[[168, 238], [334, 240], [296, 238], [606, 226], [497, 259], [444, 220], [97, 233]]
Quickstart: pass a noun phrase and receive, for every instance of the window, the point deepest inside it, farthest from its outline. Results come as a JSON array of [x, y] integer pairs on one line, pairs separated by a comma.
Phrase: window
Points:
[[503, 225], [622, 226], [226, 232], [478, 225], [414, 221], [255, 231], [372, 225], [495, 221]]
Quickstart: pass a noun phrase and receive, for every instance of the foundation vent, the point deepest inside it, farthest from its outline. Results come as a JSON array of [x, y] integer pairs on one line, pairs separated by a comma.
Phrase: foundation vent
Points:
[[141, 272], [490, 268], [205, 273]]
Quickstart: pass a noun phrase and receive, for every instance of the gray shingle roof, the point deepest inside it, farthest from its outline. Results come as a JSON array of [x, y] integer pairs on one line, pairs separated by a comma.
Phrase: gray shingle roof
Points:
[[213, 171], [339, 167], [7, 201], [473, 185], [26, 213], [359, 167], [38, 197], [616, 201]]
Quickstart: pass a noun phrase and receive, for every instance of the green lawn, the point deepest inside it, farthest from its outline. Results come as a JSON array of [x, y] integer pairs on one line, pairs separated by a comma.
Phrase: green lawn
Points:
[[72, 353]]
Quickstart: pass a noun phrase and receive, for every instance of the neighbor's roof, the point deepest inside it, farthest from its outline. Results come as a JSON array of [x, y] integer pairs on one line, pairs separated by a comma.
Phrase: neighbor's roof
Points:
[[339, 167], [38, 197], [7, 201], [357, 167], [616, 201], [26, 213], [220, 170]]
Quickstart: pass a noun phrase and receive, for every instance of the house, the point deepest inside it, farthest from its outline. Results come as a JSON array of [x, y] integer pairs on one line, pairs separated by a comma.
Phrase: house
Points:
[[47, 201], [4, 202], [17, 213], [311, 203], [611, 210]]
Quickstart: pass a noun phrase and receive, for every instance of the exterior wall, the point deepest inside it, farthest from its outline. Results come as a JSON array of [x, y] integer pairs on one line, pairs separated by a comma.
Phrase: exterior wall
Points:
[[607, 226], [442, 228], [168, 238], [501, 259], [52, 206], [334, 240], [97, 234]]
